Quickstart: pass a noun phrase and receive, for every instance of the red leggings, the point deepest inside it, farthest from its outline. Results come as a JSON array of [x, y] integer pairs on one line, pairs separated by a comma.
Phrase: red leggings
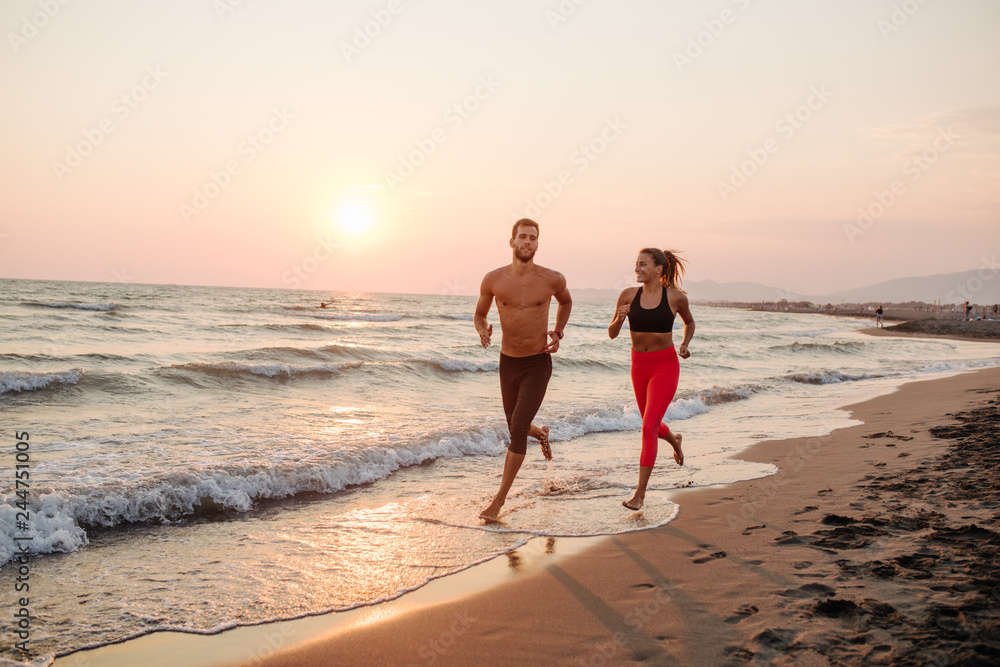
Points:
[[654, 378]]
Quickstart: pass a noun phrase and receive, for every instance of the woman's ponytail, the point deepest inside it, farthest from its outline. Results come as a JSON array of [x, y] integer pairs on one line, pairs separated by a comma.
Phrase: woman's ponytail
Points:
[[673, 270]]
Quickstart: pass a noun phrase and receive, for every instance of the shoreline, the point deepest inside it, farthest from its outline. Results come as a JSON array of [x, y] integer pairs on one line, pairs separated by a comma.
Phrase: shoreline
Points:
[[608, 611], [732, 578]]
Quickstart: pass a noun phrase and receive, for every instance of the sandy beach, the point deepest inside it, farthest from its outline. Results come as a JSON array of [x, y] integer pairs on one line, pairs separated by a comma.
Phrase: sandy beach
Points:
[[875, 544]]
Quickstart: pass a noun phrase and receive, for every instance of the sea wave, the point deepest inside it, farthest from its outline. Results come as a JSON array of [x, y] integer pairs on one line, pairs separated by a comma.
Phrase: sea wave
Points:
[[456, 365], [718, 394], [358, 317], [29, 381], [229, 487], [79, 306], [830, 377], [269, 370], [64, 515], [592, 364], [847, 346], [301, 326]]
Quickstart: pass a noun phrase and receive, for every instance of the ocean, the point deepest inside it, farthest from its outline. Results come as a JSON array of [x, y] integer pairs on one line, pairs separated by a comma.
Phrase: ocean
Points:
[[204, 457]]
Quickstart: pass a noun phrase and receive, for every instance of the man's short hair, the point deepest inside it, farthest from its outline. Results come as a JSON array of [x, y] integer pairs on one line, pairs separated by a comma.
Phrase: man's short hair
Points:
[[527, 222]]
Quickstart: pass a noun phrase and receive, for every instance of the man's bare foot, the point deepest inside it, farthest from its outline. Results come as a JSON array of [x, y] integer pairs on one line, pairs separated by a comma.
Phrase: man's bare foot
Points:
[[543, 440], [491, 513], [633, 503], [542, 435]]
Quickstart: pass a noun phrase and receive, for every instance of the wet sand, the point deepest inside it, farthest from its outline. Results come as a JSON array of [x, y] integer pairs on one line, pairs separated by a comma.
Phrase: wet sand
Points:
[[876, 544]]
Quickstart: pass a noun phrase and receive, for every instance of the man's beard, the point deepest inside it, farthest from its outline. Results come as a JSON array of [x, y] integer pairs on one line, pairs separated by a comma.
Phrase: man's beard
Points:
[[524, 255]]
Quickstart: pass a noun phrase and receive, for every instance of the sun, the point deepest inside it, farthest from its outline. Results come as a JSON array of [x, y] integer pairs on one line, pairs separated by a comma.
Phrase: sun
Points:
[[355, 219]]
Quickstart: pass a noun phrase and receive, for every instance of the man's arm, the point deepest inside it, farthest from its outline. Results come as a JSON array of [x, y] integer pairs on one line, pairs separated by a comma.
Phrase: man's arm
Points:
[[562, 312], [484, 329]]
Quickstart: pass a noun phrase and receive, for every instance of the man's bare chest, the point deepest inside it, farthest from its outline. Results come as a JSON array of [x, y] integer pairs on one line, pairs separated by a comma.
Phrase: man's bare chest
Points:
[[521, 294]]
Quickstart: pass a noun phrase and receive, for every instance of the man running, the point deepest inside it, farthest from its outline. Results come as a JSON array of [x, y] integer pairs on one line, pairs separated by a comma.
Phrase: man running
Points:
[[523, 291]]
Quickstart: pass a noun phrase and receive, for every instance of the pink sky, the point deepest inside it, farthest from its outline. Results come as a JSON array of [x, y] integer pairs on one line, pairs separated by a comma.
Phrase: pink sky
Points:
[[277, 145]]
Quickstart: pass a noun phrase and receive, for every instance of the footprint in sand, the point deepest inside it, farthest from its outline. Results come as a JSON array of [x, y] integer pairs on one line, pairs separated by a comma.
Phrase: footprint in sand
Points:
[[705, 559], [745, 611]]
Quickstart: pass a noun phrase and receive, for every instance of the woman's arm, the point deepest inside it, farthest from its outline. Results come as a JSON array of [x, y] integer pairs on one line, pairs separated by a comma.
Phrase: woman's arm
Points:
[[680, 305], [621, 312]]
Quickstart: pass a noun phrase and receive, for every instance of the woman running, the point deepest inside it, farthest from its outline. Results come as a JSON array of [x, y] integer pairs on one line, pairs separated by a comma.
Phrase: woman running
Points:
[[650, 309]]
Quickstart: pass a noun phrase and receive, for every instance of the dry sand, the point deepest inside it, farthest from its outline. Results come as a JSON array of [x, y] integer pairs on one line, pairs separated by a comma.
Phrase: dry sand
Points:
[[876, 544]]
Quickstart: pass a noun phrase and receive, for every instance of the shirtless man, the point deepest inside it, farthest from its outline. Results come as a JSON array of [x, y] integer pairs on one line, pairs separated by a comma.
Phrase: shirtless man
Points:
[[523, 292]]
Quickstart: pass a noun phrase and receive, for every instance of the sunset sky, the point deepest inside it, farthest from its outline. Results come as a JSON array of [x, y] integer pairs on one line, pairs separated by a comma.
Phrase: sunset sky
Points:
[[388, 146]]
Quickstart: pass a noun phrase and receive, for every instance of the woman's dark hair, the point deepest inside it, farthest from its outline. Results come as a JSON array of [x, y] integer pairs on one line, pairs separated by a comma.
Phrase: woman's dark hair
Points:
[[673, 266]]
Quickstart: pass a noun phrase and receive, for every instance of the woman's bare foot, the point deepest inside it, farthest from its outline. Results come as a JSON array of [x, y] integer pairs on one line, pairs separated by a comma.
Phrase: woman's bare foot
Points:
[[542, 435], [675, 442], [634, 503], [491, 513]]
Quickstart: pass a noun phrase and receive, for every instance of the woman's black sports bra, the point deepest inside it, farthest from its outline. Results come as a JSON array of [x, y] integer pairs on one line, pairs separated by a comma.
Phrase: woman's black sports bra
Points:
[[655, 320]]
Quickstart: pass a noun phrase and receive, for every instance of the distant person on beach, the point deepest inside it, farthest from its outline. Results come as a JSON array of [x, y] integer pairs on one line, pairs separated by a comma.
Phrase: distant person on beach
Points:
[[523, 291], [878, 317], [650, 309], [968, 309]]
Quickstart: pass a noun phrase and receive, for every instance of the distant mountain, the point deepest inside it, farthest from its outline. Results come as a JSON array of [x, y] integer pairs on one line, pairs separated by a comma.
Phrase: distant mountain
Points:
[[709, 290], [979, 286]]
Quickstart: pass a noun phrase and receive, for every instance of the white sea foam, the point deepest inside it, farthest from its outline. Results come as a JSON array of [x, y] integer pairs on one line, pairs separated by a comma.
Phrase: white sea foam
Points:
[[50, 529], [28, 381], [58, 519]]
